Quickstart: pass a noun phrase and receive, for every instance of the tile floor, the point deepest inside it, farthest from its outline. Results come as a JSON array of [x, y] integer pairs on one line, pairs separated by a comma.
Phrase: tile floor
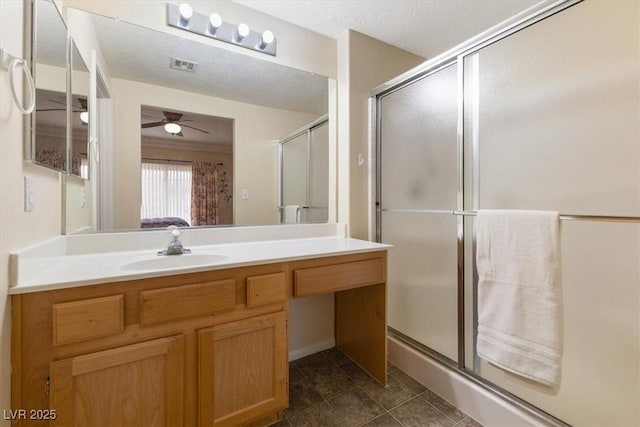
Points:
[[328, 389]]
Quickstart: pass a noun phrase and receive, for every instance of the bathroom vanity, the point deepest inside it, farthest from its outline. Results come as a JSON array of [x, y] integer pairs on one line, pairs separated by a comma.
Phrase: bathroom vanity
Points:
[[203, 347]]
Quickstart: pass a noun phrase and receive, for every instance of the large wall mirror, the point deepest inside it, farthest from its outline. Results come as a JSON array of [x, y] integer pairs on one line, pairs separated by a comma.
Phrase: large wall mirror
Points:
[[48, 145], [186, 104]]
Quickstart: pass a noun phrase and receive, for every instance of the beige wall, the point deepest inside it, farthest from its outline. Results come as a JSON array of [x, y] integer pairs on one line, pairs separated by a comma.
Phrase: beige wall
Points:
[[51, 78], [363, 64], [18, 228], [256, 131]]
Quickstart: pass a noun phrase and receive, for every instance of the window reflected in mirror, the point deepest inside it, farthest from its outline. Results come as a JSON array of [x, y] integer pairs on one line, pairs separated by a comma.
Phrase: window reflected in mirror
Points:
[[186, 169]]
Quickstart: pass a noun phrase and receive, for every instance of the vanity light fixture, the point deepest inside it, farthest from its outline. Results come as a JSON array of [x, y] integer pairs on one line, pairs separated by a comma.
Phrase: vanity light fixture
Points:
[[211, 25], [242, 31], [84, 117], [215, 22], [172, 128], [186, 12]]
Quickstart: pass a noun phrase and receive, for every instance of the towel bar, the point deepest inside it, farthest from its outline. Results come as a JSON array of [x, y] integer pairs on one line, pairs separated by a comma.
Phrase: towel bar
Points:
[[632, 219]]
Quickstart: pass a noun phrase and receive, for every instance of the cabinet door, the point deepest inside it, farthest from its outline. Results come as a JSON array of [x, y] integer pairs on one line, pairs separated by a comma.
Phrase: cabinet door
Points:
[[242, 370], [135, 385]]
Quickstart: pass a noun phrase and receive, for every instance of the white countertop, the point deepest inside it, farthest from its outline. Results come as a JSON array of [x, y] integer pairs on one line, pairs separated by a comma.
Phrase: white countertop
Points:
[[72, 270]]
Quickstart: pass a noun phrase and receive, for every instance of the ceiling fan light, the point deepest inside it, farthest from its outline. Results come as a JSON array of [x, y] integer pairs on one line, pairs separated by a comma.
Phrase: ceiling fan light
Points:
[[172, 128], [84, 117]]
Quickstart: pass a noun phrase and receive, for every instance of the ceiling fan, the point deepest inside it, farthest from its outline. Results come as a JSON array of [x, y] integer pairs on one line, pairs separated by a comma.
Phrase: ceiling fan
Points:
[[82, 109], [172, 124]]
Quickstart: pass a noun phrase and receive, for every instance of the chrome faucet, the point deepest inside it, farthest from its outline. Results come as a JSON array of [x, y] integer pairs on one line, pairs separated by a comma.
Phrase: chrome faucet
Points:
[[175, 246]]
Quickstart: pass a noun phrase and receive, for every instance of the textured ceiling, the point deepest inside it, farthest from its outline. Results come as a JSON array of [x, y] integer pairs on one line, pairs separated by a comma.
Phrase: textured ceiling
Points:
[[423, 27], [50, 35]]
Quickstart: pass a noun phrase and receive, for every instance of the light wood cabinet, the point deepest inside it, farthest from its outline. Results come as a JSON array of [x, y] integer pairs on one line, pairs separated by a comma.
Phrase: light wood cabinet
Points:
[[135, 385], [207, 348], [243, 370]]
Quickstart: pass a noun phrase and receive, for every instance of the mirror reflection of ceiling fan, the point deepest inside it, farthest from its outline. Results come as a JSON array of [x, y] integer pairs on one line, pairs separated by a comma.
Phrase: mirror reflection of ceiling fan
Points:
[[172, 123], [82, 109]]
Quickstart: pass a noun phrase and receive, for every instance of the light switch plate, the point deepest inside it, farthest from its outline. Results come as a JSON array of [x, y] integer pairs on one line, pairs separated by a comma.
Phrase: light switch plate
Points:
[[245, 194]]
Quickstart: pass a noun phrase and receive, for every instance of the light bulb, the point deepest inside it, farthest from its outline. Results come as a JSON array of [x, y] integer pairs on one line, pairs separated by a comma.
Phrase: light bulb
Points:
[[172, 128], [186, 12], [242, 31], [84, 117], [215, 21], [266, 38]]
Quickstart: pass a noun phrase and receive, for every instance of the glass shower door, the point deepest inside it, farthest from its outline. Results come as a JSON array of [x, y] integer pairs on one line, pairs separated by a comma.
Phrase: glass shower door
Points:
[[294, 173], [418, 192], [568, 141], [318, 210], [304, 173]]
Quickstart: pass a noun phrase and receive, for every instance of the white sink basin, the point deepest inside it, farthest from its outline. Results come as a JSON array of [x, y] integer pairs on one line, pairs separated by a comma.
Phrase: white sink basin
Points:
[[173, 261]]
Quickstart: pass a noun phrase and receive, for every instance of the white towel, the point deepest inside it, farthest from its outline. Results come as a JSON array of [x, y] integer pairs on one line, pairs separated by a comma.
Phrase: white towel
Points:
[[291, 214], [519, 292]]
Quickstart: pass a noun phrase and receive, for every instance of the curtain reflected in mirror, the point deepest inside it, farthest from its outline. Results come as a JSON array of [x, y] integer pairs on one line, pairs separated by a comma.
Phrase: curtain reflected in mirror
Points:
[[186, 169]]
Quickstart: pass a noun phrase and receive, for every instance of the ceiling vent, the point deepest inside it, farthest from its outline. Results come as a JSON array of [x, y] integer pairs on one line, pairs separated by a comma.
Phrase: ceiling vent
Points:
[[183, 65]]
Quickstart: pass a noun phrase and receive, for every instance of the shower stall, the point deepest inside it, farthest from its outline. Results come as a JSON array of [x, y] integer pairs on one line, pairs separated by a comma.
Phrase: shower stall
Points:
[[304, 172], [542, 113]]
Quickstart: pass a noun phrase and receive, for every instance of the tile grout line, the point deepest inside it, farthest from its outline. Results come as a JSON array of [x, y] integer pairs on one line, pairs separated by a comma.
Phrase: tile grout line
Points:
[[324, 399], [425, 400], [386, 411], [358, 387]]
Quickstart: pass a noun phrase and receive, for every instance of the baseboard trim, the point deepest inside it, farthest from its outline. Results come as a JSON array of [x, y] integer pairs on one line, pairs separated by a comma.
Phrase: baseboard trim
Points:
[[299, 353], [477, 402]]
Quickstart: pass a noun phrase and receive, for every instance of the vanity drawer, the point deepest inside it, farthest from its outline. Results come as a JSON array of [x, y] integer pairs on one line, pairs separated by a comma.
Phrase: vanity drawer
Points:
[[266, 289], [87, 319], [337, 277], [183, 302]]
